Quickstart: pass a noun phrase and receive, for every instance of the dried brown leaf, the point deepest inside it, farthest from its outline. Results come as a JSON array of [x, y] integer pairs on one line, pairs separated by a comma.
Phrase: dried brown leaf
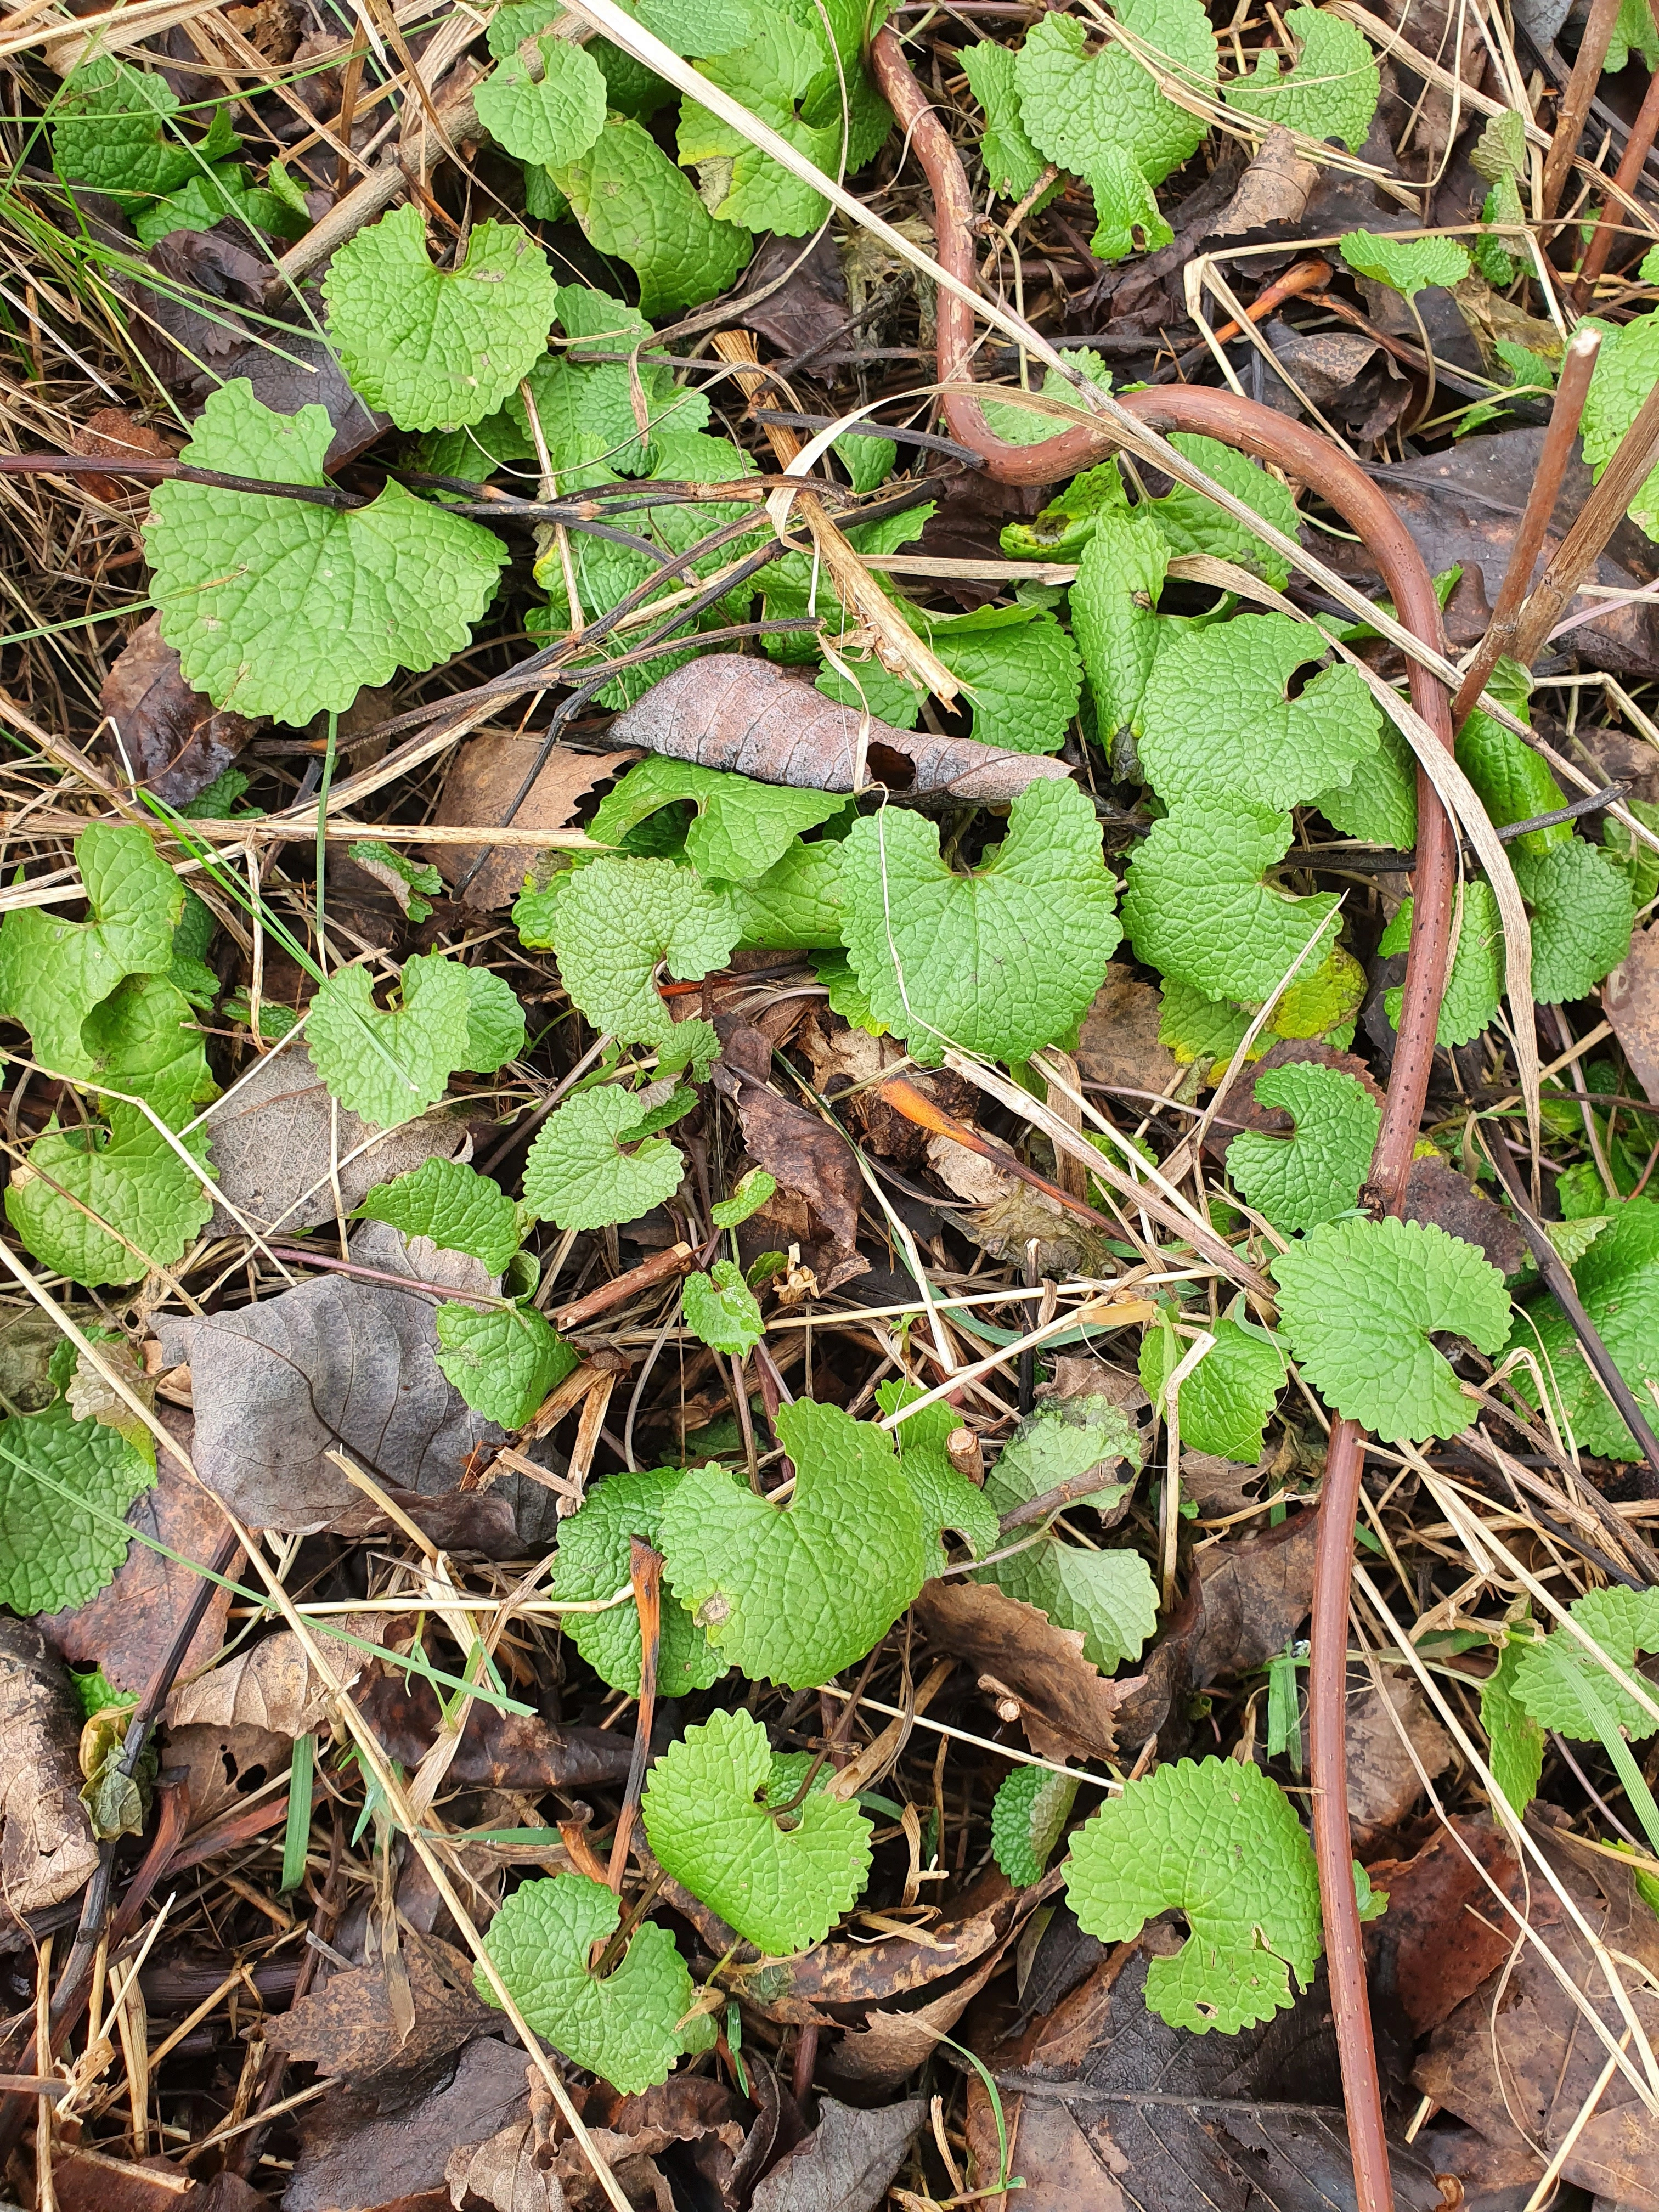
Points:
[[223, 1765], [1436, 1193], [503, 2173], [47, 1849], [729, 712], [111, 433], [483, 779], [171, 740], [1256, 1591], [1445, 1932], [354, 2160], [497, 1750], [1058, 1689], [336, 1363], [1516, 2060], [350, 2027], [847, 2162], [1106, 2104], [274, 1139], [1274, 188], [1629, 999], [1383, 1785], [1118, 1045], [274, 1687], [808, 1157]]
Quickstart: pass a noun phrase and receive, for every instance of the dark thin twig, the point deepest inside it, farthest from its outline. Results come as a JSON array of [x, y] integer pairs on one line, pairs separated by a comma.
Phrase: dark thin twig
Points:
[[1383, 860], [926, 438], [1559, 1282], [1564, 413], [159, 471]]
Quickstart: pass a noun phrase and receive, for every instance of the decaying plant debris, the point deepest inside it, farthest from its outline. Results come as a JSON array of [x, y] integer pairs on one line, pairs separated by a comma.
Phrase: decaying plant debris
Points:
[[831, 1038]]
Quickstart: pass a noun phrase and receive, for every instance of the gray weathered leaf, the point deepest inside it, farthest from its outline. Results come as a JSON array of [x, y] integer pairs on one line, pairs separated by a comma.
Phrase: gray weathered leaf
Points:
[[336, 1363], [845, 2164], [274, 1136]]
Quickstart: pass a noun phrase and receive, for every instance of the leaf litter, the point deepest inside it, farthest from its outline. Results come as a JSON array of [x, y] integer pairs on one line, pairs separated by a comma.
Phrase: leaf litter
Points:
[[716, 1119]]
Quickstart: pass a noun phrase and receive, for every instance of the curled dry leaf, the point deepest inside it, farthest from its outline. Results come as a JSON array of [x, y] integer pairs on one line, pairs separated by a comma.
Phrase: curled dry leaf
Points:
[[1516, 2060], [47, 1849], [275, 1140], [338, 1364], [1067, 1707], [892, 2044], [498, 1750], [351, 2155], [728, 712], [351, 2028], [630, 2134], [506, 2172], [1274, 188], [170, 739], [483, 779]]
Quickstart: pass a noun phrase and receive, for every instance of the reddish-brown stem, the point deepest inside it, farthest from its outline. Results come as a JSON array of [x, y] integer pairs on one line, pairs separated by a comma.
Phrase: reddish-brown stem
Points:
[[1633, 458], [645, 1572], [1338, 480], [677, 1260], [1607, 229], [1303, 276], [1565, 416], [1576, 100]]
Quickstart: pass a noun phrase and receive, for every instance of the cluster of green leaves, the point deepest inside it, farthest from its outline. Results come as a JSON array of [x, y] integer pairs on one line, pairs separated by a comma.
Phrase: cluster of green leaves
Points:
[[118, 131], [790, 1593], [1002, 960], [575, 116], [1104, 116], [114, 1190]]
